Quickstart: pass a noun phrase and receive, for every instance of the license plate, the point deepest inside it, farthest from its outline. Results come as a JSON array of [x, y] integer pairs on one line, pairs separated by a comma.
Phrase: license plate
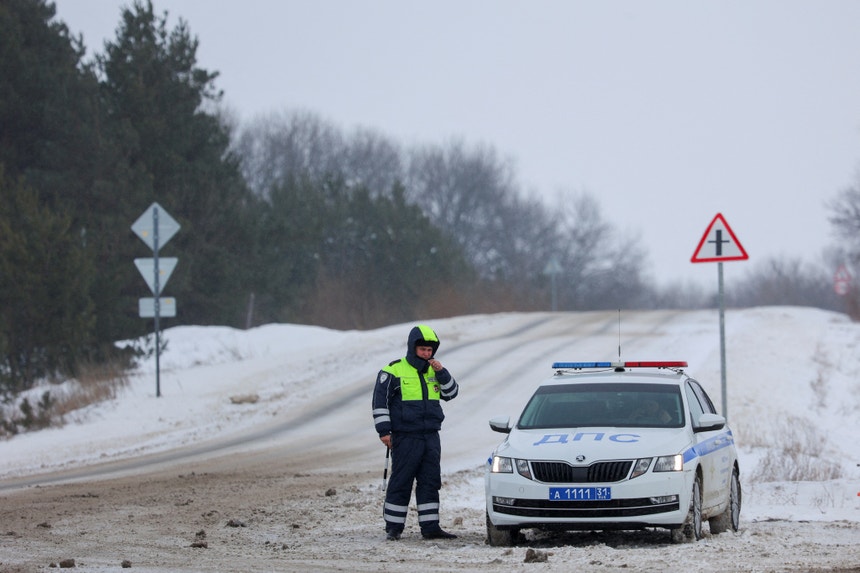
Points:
[[580, 493]]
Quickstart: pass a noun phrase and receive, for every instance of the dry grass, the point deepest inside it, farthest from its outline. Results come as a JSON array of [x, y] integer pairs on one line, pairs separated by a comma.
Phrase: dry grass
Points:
[[819, 385], [791, 465], [95, 383], [795, 451]]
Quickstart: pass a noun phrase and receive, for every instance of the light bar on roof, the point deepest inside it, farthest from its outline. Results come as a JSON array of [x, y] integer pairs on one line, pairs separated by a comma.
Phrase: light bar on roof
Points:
[[657, 364], [578, 365], [632, 364]]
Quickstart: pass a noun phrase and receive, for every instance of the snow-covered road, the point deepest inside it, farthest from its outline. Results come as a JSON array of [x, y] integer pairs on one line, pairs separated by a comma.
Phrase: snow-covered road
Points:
[[300, 465]]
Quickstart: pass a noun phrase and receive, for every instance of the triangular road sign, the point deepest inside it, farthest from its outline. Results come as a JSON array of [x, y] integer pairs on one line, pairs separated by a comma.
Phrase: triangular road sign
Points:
[[719, 243], [165, 269]]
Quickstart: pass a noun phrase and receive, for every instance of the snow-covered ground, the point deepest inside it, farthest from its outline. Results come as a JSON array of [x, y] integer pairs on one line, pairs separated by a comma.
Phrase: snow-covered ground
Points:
[[793, 386]]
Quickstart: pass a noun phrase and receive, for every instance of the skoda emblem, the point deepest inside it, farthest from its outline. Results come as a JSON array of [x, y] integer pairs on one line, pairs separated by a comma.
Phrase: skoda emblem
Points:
[[580, 458]]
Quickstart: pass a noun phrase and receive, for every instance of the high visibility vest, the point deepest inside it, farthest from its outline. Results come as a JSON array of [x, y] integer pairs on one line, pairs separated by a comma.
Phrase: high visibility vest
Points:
[[411, 388]]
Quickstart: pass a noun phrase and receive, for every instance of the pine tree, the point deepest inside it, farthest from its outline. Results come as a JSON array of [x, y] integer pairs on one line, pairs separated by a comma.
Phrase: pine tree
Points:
[[177, 153], [46, 319]]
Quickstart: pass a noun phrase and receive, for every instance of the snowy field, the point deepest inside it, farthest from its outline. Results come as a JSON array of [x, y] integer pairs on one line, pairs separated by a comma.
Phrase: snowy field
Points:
[[291, 400]]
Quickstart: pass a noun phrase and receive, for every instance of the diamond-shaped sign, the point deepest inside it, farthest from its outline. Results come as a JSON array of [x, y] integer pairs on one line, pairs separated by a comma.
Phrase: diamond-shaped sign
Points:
[[155, 223], [147, 269]]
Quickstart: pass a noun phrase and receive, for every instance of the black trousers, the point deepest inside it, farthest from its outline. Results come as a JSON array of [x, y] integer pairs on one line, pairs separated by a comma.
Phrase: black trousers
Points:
[[415, 458]]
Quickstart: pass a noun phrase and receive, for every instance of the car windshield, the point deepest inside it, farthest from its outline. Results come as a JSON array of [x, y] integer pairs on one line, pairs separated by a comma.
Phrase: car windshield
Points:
[[623, 405]]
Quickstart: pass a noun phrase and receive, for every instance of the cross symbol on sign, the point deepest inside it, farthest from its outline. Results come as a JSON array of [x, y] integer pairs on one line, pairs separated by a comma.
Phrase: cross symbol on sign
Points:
[[719, 242]]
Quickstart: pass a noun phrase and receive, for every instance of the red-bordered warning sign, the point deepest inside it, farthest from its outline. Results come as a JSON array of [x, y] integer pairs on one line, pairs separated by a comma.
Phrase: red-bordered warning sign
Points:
[[842, 281], [719, 243]]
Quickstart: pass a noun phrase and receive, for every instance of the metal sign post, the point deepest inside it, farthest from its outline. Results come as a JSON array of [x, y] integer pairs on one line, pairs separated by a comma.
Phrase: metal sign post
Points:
[[719, 244], [156, 226], [722, 298], [553, 268]]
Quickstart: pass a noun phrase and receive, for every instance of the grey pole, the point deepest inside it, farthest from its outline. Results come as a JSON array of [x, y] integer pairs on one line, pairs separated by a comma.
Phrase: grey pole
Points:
[[157, 290], [723, 340]]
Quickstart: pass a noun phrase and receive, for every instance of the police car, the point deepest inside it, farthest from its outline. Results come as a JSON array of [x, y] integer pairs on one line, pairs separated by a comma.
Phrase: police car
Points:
[[614, 445]]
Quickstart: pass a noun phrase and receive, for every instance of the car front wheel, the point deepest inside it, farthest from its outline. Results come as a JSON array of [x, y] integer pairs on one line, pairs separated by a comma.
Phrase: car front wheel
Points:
[[501, 537], [691, 529], [731, 516]]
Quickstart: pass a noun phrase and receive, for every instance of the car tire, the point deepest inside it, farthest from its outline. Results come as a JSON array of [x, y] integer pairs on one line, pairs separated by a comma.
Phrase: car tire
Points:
[[731, 516], [691, 529], [501, 537]]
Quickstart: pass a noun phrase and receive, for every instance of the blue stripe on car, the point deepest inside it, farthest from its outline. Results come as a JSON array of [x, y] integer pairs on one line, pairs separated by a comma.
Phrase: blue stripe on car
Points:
[[709, 446]]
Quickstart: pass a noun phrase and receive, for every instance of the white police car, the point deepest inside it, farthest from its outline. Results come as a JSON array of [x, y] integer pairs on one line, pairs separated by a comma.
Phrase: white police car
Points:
[[614, 445]]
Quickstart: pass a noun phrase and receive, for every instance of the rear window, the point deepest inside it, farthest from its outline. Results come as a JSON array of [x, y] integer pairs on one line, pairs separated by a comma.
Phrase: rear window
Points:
[[620, 405]]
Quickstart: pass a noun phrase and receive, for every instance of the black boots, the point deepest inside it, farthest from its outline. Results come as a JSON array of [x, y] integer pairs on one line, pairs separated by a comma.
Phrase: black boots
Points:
[[393, 535], [437, 534]]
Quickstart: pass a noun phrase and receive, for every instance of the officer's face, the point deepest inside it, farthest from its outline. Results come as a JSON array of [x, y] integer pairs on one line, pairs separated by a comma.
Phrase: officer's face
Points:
[[424, 352]]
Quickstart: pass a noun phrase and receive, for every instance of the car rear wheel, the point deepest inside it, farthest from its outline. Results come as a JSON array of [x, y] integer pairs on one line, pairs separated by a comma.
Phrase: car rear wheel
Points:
[[501, 537], [731, 516], [691, 529]]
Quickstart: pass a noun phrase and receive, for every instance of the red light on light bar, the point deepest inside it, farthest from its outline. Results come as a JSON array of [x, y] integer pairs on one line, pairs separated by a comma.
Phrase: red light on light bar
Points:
[[651, 364], [657, 364]]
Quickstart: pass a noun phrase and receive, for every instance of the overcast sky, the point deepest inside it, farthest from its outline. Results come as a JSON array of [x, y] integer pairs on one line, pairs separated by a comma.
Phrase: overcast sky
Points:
[[668, 112]]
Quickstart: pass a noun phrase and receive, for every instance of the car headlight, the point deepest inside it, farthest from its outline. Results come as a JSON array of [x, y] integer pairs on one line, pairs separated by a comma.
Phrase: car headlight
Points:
[[669, 463], [640, 467], [502, 465], [523, 469]]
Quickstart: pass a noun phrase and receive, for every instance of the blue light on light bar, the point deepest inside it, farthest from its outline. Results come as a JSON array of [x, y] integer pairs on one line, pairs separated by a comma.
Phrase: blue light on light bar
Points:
[[580, 365]]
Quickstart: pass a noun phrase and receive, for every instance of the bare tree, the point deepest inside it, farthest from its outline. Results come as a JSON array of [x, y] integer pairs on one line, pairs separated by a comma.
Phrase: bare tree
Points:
[[845, 219], [276, 148], [784, 281], [601, 267], [681, 295], [372, 161], [472, 192], [512, 239]]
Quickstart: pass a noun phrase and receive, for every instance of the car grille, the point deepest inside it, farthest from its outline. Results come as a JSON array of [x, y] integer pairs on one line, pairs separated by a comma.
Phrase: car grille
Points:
[[583, 510], [600, 472]]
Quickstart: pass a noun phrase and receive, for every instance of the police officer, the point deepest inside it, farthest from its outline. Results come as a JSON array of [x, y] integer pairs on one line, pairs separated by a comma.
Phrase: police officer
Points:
[[408, 416]]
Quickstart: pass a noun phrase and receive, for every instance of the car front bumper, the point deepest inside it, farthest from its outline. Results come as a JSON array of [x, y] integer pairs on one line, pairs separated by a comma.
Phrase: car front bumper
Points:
[[653, 499]]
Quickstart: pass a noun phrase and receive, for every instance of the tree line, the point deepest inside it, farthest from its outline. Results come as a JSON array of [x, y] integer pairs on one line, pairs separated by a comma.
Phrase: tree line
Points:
[[285, 219]]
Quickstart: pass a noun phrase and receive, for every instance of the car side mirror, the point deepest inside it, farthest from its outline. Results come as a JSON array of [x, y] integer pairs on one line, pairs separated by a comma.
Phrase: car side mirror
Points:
[[709, 422], [501, 424]]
